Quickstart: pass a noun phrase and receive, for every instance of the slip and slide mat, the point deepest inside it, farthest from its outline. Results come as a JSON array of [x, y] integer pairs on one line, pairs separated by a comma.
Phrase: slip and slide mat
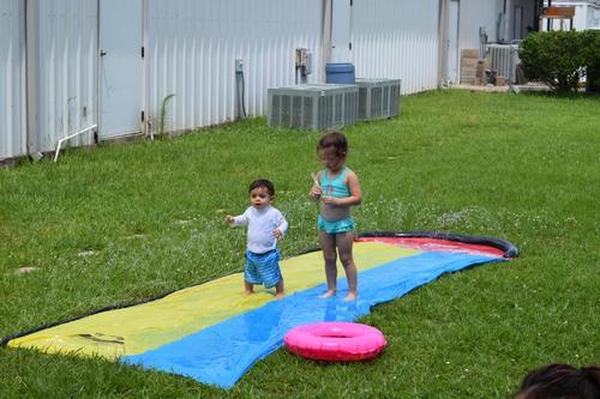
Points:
[[214, 334]]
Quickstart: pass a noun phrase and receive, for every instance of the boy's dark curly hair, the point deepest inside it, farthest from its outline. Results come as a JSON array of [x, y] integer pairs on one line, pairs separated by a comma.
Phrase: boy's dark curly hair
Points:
[[263, 183]]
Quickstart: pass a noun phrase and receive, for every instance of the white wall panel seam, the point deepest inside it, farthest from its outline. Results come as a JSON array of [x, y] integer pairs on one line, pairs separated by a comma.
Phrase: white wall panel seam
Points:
[[12, 79]]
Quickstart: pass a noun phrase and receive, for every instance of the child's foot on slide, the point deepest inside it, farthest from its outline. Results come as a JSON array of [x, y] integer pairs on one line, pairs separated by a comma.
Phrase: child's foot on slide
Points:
[[248, 293], [279, 296], [328, 294], [350, 297]]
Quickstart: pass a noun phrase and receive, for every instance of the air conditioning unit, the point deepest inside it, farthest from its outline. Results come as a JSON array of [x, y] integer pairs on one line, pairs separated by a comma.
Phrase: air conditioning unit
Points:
[[312, 106], [378, 98], [505, 58]]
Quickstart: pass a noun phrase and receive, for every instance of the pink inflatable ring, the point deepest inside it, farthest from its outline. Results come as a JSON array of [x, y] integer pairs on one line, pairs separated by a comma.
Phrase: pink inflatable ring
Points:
[[335, 341]]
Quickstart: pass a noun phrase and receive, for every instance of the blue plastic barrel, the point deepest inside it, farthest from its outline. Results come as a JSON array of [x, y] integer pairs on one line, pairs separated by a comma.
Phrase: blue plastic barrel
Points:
[[339, 72]]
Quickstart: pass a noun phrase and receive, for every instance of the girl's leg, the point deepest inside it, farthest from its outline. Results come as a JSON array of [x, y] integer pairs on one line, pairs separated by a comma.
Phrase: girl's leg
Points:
[[344, 243], [327, 242]]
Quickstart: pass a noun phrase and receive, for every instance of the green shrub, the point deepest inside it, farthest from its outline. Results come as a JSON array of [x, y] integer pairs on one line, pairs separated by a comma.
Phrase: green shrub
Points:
[[591, 41], [555, 58]]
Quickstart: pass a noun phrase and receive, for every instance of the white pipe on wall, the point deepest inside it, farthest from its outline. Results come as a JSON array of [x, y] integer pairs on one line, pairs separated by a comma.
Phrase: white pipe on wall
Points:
[[59, 144]]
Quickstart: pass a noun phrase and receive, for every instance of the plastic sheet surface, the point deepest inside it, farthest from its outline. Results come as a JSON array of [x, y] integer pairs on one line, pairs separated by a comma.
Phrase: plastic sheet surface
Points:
[[221, 354], [137, 329], [213, 334]]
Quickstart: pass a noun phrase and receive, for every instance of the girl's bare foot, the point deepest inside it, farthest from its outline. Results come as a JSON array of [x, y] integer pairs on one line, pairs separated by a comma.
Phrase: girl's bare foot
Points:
[[328, 294], [248, 292], [350, 297], [279, 295]]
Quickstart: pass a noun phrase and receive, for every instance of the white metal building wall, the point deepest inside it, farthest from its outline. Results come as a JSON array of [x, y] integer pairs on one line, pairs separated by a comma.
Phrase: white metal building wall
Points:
[[192, 45], [593, 16], [64, 78], [12, 79], [528, 18], [397, 39], [474, 14]]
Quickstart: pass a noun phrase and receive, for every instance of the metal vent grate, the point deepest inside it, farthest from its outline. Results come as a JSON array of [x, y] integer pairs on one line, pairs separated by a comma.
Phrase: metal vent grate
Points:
[[378, 98], [504, 59], [313, 106]]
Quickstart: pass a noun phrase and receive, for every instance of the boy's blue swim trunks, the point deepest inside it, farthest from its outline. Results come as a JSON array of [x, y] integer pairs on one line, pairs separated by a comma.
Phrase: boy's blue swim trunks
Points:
[[263, 268]]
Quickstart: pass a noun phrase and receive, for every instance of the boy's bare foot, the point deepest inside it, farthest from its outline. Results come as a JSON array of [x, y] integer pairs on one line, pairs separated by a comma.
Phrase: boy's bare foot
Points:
[[350, 297], [279, 295], [328, 294], [247, 292]]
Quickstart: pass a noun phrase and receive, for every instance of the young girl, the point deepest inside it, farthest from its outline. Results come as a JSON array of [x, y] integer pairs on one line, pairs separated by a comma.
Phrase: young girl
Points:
[[338, 189]]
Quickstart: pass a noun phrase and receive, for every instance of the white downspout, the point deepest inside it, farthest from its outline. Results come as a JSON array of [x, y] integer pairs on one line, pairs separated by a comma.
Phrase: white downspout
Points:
[[31, 75], [326, 34], [443, 43]]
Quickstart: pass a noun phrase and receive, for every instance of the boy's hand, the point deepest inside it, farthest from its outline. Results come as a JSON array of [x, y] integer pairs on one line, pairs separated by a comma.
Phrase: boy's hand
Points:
[[277, 234], [229, 219]]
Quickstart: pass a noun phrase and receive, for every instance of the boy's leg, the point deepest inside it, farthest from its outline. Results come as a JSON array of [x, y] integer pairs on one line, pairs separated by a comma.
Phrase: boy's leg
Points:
[[327, 242], [248, 288], [270, 272], [279, 289], [251, 275], [344, 243]]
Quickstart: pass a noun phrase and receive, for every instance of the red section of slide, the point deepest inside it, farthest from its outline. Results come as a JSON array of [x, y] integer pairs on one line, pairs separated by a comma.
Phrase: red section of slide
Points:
[[434, 244]]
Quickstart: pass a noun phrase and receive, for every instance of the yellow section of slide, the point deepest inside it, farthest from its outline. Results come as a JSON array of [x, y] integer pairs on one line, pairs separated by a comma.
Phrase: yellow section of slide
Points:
[[137, 329]]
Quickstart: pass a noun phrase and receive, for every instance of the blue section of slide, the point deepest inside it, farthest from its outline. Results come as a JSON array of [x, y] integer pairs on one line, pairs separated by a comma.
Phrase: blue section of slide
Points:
[[221, 354]]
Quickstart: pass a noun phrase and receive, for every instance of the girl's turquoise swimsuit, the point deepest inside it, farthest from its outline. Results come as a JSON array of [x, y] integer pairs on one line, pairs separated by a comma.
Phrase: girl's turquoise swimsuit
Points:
[[335, 219]]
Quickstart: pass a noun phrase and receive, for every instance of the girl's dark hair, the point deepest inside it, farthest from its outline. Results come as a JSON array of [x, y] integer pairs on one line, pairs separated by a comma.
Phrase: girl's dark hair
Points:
[[334, 139], [561, 381], [263, 183]]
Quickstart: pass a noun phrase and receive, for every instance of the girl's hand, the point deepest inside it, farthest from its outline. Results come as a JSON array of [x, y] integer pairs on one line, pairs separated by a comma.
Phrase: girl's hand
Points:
[[229, 219], [330, 200], [315, 192], [277, 234]]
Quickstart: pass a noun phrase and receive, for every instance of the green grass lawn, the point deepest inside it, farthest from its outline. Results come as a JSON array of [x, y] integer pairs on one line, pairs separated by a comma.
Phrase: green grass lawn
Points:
[[124, 223]]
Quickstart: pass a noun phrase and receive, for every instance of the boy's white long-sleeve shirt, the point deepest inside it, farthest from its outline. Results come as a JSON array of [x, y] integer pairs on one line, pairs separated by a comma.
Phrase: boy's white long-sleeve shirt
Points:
[[261, 223]]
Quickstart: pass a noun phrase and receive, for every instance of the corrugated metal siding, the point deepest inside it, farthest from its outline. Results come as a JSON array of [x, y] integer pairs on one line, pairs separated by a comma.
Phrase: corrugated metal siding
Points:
[[476, 13], [593, 20], [66, 70], [191, 47], [397, 39], [12, 79]]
